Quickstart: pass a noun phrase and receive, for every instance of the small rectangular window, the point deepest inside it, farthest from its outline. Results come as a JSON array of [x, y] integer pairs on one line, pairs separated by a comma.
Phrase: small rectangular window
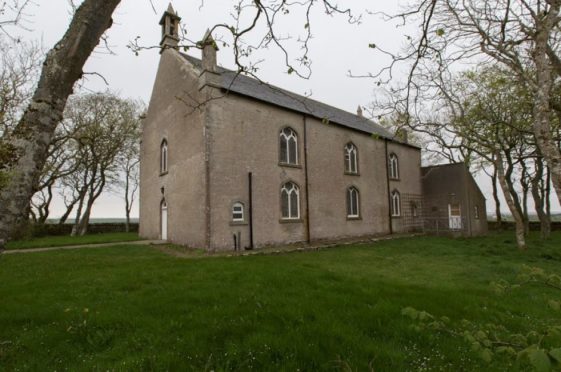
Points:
[[237, 212], [476, 212]]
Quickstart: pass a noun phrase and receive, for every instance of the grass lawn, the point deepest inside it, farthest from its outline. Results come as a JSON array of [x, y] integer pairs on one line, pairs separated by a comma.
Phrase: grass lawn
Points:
[[59, 241], [136, 308]]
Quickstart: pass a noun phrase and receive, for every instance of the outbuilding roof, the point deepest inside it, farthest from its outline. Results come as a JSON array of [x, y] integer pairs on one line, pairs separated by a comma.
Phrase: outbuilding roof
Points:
[[247, 86]]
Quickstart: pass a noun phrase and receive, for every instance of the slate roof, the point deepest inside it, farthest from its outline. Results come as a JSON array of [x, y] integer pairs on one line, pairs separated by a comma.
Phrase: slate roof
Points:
[[250, 87]]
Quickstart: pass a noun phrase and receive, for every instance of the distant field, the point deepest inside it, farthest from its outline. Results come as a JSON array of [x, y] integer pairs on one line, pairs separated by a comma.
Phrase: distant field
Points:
[[134, 308], [98, 220], [554, 217]]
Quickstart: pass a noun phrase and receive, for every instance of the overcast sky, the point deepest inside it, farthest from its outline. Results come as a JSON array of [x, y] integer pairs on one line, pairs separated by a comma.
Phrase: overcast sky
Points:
[[336, 49]]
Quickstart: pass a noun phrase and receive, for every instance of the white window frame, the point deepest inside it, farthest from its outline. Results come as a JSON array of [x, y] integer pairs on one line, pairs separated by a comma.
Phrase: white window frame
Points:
[[241, 211], [289, 188], [351, 152], [350, 192], [287, 138], [394, 167], [476, 212], [396, 204], [164, 157]]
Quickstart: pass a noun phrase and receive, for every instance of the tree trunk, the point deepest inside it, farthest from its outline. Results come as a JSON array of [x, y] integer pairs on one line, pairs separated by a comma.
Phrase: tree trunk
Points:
[[510, 187], [542, 107], [496, 198], [525, 191], [128, 222], [548, 193], [95, 191], [127, 203], [66, 214], [539, 195], [520, 238], [85, 220], [28, 143], [46, 205], [78, 214]]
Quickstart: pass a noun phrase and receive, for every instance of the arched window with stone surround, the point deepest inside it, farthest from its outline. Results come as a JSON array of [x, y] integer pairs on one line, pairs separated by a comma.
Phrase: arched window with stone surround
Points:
[[290, 201], [396, 203], [288, 146], [164, 157], [394, 166], [353, 203], [351, 158]]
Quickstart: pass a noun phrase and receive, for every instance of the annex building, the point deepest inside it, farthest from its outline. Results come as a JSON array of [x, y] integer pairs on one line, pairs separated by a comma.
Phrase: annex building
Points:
[[229, 162]]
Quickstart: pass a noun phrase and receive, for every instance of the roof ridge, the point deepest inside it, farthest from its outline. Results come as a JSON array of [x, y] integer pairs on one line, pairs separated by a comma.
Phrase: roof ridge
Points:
[[223, 69], [249, 86]]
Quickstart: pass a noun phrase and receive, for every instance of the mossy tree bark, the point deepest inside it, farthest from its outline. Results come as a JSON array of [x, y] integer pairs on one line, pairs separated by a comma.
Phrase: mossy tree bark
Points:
[[24, 150]]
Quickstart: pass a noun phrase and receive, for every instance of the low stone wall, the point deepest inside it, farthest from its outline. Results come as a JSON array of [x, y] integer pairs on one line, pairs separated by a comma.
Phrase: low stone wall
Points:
[[534, 226], [65, 229]]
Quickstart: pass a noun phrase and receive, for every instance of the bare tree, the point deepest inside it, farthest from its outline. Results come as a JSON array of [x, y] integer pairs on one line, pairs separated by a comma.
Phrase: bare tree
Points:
[[106, 129], [23, 152], [523, 36], [129, 163], [473, 112], [19, 70], [130, 167]]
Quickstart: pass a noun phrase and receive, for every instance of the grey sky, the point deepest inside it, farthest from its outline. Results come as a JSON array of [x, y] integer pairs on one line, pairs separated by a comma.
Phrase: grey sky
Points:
[[337, 47]]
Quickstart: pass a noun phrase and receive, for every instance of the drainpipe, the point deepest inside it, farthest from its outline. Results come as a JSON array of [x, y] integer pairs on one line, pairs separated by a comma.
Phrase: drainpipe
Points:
[[308, 236], [388, 186], [250, 211]]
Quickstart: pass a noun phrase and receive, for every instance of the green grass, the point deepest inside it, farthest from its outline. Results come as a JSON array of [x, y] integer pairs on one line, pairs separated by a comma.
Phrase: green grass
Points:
[[135, 308], [59, 241]]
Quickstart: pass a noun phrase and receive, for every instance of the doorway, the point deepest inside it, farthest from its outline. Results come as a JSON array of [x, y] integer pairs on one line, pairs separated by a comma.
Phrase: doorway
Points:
[[455, 216], [164, 221]]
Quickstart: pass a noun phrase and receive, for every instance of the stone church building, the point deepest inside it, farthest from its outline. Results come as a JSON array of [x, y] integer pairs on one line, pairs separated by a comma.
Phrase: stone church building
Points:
[[231, 163]]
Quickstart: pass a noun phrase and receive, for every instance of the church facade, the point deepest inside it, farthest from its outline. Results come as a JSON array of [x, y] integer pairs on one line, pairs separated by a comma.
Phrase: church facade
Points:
[[231, 163]]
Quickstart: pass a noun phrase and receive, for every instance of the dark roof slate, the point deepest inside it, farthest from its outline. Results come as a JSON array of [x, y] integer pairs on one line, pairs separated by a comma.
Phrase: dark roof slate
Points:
[[248, 86]]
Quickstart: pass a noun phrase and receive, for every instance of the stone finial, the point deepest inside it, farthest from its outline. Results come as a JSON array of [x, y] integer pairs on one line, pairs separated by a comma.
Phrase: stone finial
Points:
[[170, 28], [170, 9], [209, 53], [359, 111]]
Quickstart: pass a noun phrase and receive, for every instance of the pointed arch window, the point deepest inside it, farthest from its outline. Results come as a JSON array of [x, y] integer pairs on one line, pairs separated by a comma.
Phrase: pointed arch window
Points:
[[290, 201], [353, 203], [288, 146], [394, 166], [164, 157], [396, 203], [351, 159]]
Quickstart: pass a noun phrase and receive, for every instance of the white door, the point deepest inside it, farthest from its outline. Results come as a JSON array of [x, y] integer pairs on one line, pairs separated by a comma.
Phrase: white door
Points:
[[164, 221], [455, 216]]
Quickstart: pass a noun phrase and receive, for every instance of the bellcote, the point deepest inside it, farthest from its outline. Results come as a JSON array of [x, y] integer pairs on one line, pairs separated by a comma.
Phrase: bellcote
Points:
[[170, 29]]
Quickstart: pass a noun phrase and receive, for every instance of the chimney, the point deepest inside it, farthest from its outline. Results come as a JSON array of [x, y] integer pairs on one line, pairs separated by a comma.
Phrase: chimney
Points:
[[359, 111], [209, 53], [402, 134], [170, 29]]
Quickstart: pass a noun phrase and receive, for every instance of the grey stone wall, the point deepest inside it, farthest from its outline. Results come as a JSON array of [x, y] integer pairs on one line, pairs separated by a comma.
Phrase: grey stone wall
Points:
[[409, 181], [242, 136], [171, 116]]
